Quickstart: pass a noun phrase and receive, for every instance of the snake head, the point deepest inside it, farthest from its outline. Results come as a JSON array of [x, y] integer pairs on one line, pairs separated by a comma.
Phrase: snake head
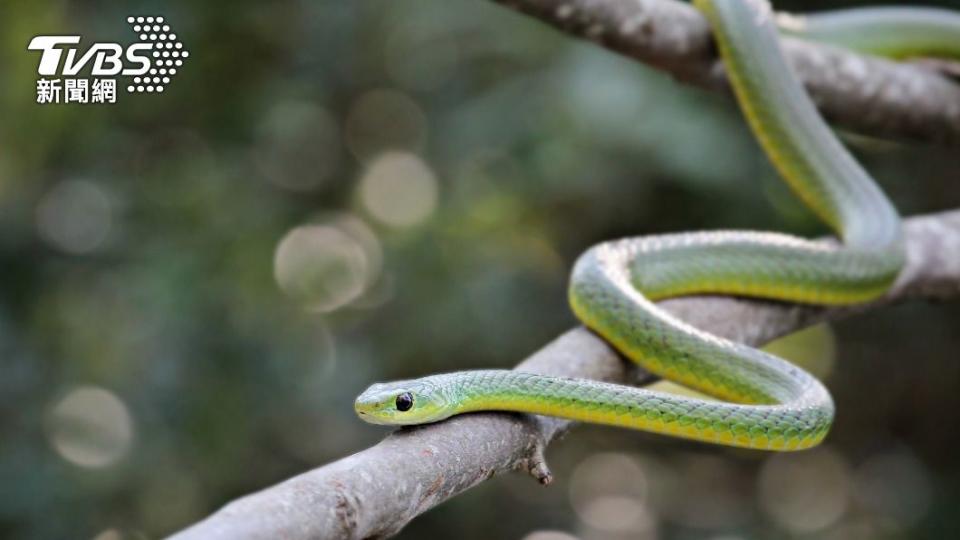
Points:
[[417, 401]]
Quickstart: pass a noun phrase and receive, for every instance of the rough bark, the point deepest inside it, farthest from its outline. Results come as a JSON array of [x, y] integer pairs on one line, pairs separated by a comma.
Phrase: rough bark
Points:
[[375, 492], [867, 95]]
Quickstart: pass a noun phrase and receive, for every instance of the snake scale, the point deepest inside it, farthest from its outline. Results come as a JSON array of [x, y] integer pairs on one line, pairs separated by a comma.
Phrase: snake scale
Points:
[[762, 401]]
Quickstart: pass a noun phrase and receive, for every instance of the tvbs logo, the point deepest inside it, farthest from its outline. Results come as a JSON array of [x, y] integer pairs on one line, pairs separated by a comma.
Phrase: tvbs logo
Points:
[[149, 65]]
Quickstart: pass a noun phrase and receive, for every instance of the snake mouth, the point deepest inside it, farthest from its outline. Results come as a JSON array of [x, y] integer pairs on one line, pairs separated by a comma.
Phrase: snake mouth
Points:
[[373, 408]]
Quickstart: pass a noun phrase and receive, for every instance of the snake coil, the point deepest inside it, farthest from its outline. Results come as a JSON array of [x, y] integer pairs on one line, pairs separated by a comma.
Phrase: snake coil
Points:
[[763, 401]]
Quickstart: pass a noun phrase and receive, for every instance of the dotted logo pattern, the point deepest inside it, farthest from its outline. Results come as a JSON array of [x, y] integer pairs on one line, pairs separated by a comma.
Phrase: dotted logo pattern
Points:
[[168, 54]]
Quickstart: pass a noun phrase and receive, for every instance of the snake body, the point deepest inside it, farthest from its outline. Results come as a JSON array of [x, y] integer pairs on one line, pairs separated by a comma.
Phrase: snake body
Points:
[[895, 32], [762, 401]]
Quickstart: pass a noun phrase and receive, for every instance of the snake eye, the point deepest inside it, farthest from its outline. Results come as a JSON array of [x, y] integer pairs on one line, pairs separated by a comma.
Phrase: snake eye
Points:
[[404, 401]]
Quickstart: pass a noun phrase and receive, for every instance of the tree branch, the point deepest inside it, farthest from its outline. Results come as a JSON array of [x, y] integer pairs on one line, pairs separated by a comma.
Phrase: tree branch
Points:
[[375, 492], [867, 95]]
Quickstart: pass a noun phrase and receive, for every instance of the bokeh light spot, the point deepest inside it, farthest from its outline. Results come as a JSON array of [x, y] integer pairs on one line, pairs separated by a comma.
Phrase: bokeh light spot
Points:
[[109, 534], [399, 189], [75, 216], [805, 492], [321, 266], [549, 535], [608, 493], [90, 427], [299, 145]]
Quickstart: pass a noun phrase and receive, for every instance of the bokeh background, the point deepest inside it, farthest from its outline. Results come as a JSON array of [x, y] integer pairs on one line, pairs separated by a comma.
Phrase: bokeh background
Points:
[[195, 285]]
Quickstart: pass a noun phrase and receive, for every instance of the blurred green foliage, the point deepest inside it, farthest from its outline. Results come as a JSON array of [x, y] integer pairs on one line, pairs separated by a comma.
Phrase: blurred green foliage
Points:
[[196, 284]]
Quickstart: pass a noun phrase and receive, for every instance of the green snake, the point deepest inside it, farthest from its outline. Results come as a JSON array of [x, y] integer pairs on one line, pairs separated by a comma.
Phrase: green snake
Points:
[[761, 401]]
